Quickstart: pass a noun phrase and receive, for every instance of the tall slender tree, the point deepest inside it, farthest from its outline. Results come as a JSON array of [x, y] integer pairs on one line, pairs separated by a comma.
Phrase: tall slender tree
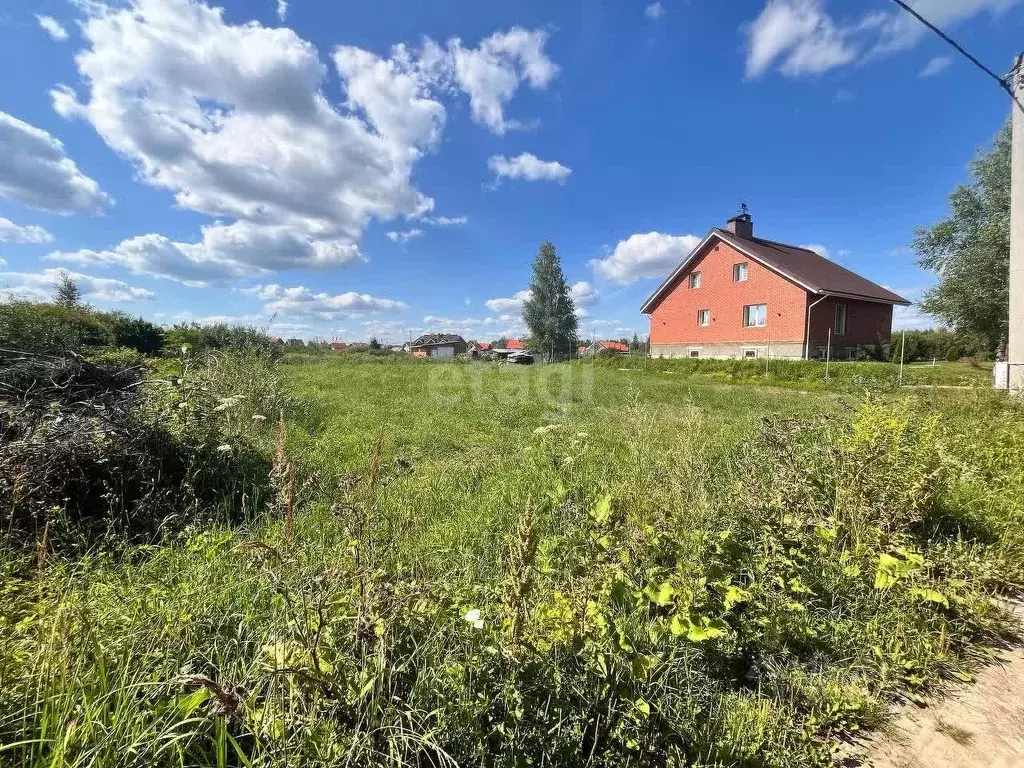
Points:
[[549, 312], [66, 292]]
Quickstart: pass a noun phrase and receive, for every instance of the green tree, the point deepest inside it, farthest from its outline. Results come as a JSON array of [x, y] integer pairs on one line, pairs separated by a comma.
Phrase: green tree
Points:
[[66, 291], [970, 252], [549, 312]]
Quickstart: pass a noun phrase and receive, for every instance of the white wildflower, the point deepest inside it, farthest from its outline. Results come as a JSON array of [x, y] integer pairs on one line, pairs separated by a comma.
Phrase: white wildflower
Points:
[[473, 617], [224, 448], [259, 417]]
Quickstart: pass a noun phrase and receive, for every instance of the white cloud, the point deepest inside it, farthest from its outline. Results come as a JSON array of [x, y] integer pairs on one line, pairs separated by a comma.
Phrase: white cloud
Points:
[[898, 30], [52, 27], [529, 167], [282, 9], [491, 73], [232, 119], [224, 252], [654, 11], [912, 319], [512, 304], [936, 66], [12, 233], [475, 327], [800, 34], [40, 286], [404, 237], [583, 294], [300, 301], [802, 38], [445, 221], [35, 171], [819, 249], [395, 93], [650, 254]]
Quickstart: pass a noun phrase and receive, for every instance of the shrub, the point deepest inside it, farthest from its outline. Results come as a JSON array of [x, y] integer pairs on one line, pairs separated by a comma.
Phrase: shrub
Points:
[[92, 450], [221, 337], [56, 329]]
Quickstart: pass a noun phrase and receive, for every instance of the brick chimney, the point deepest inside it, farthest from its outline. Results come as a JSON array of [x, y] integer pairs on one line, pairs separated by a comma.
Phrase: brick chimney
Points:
[[741, 225]]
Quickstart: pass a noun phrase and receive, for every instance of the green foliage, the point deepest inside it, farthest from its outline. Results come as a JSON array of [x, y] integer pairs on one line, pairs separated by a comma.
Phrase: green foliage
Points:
[[634, 570], [221, 337], [935, 344], [855, 376], [549, 312], [66, 292], [970, 252], [59, 328]]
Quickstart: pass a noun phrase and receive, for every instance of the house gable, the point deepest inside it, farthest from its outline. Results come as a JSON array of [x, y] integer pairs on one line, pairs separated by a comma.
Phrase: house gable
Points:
[[713, 313]]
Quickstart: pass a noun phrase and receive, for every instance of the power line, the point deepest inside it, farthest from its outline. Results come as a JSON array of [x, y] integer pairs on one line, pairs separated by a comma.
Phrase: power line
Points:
[[1004, 82]]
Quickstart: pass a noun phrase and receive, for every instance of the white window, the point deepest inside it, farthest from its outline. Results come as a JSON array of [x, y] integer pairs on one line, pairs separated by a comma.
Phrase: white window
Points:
[[840, 326], [755, 315], [749, 353], [694, 353], [703, 317], [695, 279], [739, 272]]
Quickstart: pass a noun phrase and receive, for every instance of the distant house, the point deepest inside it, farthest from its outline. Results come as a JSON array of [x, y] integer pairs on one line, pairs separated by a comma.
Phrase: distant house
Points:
[[600, 346], [736, 295], [515, 344], [440, 345], [339, 346], [358, 346], [477, 348]]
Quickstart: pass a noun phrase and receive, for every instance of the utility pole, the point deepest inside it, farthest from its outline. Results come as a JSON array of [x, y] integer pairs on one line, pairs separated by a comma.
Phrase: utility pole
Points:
[[1015, 358]]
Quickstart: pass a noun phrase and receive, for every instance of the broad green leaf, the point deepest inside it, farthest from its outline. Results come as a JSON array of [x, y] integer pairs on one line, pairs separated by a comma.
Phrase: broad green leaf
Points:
[[734, 595], [603, 511], [931, 596]]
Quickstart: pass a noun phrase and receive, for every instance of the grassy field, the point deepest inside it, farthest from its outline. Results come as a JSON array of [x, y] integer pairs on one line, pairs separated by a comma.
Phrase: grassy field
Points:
[[564, 565]]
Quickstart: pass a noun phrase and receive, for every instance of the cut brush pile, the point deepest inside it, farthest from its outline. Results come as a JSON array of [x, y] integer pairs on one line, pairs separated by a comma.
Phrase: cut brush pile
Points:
[[90, 452]]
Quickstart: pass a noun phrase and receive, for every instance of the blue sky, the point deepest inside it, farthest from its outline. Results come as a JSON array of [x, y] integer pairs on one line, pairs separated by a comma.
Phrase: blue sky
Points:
[[338, 170]]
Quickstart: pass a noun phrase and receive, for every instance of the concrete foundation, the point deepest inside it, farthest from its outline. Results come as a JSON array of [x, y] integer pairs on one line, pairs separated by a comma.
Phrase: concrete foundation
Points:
[[784, 350]]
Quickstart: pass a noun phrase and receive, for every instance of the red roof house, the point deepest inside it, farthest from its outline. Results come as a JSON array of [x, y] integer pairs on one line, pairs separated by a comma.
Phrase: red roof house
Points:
[[601, 346], [736, 295], [515, 344]]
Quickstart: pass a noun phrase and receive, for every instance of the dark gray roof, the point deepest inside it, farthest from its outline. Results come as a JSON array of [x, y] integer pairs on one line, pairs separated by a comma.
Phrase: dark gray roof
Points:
[[438, 339], [800, 265]]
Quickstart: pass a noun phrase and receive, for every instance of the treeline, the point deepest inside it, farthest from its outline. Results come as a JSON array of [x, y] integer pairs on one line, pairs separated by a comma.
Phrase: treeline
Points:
[[57, 327], [935, 344]]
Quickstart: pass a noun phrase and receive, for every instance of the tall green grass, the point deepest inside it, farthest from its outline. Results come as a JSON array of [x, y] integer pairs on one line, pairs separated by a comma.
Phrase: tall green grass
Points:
[[631, 570]]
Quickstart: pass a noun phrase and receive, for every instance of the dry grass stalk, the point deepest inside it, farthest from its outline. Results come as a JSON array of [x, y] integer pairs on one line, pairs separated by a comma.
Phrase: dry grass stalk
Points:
[[289, 510], [521, 556], [227, 698], [375, 460], [42, 547]]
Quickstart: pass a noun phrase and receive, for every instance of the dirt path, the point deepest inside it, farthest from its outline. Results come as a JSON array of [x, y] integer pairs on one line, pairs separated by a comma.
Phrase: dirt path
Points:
[[976, 726]]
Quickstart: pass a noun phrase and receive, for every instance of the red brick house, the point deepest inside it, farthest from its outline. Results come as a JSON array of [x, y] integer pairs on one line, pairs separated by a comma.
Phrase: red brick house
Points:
[[737, 295]]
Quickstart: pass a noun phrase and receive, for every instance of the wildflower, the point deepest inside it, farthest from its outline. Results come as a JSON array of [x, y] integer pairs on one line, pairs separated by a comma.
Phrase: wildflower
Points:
[[473, 617], [259, 417], [582, 435], [224, 448]]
